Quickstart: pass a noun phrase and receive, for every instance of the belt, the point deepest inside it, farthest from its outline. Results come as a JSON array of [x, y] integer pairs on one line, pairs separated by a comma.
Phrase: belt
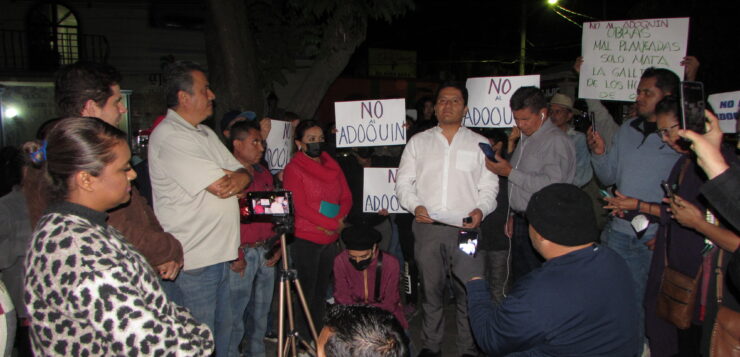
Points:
[[254, 245]]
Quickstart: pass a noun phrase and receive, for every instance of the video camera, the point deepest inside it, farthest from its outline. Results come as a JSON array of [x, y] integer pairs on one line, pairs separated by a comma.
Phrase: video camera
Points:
[[274, 206]]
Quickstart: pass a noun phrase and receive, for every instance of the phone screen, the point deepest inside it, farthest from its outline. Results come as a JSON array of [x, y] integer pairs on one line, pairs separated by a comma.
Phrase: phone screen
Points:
[[467, 241], [692, 108], [488, 151]]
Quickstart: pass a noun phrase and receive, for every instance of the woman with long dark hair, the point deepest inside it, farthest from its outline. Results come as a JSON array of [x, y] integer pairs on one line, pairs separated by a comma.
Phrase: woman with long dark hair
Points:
[[88, 291]]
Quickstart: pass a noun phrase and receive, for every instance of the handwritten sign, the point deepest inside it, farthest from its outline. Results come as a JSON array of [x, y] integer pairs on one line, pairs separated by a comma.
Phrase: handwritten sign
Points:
[[378, 191], [615, 53], [488, 101], [726, 106], [279, 144], [370, 123]]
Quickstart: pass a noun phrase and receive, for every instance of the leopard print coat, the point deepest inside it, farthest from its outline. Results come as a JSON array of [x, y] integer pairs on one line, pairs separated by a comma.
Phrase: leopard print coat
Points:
[[89, 293]]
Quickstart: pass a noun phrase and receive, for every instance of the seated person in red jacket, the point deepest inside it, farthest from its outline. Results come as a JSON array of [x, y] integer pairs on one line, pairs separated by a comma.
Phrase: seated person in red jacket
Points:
[[357, 268]]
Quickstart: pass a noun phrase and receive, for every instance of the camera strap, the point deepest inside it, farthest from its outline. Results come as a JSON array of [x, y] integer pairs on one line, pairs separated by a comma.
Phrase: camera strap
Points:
[[378, 275]]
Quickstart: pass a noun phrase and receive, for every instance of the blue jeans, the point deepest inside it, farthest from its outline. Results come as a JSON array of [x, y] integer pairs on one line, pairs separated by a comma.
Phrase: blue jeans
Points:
[[253, 289], [638, 256], [206, 294]]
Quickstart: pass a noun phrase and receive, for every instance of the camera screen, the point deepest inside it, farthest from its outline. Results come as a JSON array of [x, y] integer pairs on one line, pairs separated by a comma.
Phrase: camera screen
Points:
[[274, 203]]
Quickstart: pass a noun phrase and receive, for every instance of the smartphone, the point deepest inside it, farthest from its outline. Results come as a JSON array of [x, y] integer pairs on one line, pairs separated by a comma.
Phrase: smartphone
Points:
[[692, 106], [667, 188], [488, 151], [593, 121], [467, 241]]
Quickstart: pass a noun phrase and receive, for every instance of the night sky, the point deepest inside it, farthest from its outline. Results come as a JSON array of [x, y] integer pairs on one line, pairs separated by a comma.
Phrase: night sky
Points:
[[481, 37]]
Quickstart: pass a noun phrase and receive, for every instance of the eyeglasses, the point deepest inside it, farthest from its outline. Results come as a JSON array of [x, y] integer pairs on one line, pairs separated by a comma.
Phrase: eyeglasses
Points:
[[664, 132]]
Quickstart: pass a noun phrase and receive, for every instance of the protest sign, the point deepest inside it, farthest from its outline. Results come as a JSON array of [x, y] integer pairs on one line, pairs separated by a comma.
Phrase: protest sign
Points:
[[488, 100], [370, 123], [379, 190], [279, 144], [615, 53], [725, 105]]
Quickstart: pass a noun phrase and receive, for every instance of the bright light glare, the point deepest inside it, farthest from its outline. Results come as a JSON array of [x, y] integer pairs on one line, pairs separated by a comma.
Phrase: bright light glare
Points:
[[11, 112], [552, 2]]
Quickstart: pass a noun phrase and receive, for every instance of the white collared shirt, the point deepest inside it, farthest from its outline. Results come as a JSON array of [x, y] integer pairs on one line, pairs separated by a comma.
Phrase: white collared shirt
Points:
[[446, 178], [183, 161]]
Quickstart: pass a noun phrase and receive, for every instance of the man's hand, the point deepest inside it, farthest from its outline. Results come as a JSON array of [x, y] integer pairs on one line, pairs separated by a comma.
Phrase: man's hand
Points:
[[274, 258], [513, 138], [477, 216], [169, 270], [383, 212], [691, 67], [466, 267], [501, 168], [422, 216], [265, 126], [620, 204], [595, 142], [707, 146], [239, 266], [509, 227], [650, 244], [577, 65], [685, 213]]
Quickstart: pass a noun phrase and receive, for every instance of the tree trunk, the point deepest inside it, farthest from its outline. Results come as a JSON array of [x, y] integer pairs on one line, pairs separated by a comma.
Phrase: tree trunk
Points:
[[232, 63], [345, 31]]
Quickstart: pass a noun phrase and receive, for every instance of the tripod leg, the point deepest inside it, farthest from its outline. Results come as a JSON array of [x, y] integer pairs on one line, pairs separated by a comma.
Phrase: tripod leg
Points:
[[309, 318], [281, 315]]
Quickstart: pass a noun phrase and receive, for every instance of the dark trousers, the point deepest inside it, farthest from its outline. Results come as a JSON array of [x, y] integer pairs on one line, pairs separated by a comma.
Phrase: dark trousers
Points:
[[523, 256], [313, 263], [434, 250]]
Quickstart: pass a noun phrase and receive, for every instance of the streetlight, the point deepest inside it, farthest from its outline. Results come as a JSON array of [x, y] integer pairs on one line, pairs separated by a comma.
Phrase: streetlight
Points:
[[552, 2]]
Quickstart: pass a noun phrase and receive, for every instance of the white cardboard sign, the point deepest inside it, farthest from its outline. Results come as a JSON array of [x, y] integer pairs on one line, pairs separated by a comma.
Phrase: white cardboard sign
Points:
[[279, 144], [488, 100], [379, 190], [615, 53], [370, 123], [726, 106]]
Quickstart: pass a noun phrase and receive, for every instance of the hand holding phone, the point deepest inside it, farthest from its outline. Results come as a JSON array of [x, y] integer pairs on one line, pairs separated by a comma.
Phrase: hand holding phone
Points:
[[488, 151]]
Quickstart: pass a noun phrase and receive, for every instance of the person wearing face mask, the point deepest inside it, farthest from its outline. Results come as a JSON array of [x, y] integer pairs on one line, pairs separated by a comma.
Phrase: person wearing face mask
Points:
[[322, 199], [364, 274]]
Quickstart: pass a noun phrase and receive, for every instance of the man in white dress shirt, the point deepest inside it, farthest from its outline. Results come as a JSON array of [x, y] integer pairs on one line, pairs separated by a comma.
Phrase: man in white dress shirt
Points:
[[442, 179]]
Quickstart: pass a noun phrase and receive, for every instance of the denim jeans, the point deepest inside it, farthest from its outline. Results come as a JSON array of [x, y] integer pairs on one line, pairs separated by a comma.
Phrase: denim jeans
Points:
[[253, 289], [206, 294], [637, 255]]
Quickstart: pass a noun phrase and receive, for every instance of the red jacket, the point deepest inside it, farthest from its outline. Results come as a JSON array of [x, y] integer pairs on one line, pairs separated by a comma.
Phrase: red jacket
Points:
[[311, 183]]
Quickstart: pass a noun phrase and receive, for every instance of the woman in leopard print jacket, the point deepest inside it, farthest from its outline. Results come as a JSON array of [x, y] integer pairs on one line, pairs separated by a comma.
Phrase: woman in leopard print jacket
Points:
[[88, 291]]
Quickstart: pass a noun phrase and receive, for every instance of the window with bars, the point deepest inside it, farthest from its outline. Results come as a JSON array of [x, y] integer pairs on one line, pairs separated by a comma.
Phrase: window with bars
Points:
[[53, 33]]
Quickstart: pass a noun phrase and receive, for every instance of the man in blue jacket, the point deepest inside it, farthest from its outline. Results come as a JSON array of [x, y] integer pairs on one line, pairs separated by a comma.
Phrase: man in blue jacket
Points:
[[636, 162], [580, 302]]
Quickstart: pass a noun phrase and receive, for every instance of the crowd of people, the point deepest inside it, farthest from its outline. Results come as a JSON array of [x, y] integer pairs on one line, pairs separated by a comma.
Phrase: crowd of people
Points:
[[92, 267]]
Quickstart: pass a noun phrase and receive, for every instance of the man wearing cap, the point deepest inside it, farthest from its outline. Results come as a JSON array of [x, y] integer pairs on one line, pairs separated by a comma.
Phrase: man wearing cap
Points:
[[545, 155], [578, 303], [561, 114], [364, 274]]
